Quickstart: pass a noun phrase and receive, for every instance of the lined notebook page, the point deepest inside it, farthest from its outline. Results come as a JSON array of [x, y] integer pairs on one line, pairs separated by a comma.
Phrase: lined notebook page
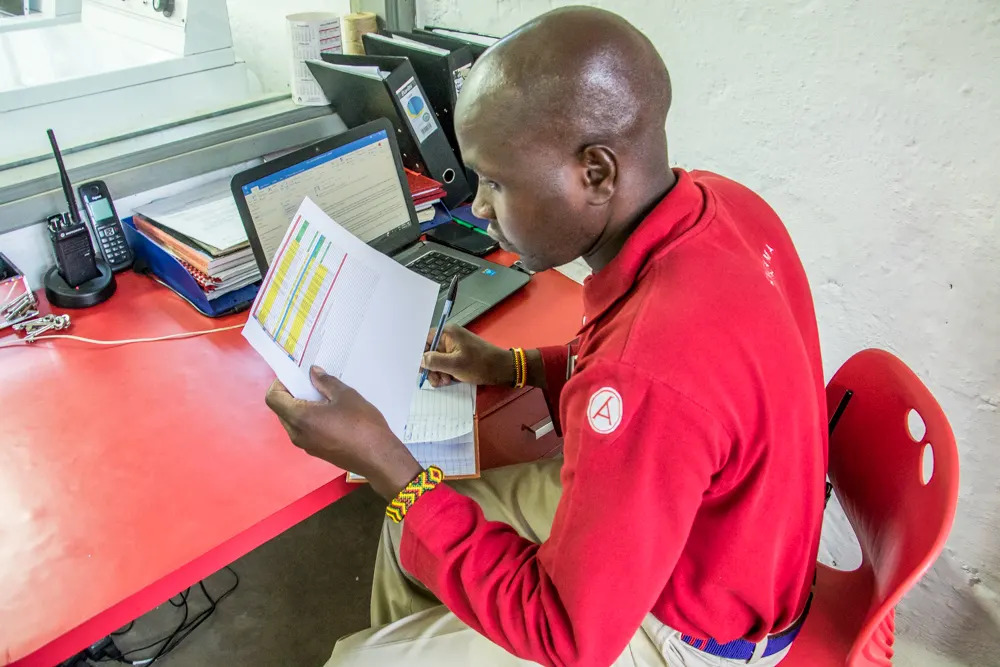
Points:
[[440, 414], [440, 429], [455, 457]]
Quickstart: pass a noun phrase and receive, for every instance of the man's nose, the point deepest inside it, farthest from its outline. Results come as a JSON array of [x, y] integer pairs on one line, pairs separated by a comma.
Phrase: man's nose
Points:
[[481, 208]]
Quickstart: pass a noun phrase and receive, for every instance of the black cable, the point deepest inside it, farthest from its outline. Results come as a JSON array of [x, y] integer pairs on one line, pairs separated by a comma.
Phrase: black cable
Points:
[[185, 627], [183, 603], [163, 649], [124, 630], [164, 640], [184, 597], [183, 631], [203, 616]]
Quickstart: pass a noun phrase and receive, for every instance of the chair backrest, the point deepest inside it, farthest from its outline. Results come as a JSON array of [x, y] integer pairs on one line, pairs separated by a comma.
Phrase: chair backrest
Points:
[[900, 513]]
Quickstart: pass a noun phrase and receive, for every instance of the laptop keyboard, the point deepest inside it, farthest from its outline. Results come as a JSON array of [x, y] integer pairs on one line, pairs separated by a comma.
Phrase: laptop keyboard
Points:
[[440, 267]]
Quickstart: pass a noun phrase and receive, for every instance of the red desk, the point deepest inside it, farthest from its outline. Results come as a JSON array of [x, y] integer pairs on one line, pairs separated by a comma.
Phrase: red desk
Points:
[[129, 473]]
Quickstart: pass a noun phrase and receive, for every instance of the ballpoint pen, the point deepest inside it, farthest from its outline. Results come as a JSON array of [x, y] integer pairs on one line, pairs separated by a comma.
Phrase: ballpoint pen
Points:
[[449, 301]]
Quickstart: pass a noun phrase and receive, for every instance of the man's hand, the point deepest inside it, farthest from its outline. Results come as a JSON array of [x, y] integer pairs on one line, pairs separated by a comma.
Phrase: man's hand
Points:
[[345, 430], [465, 357]]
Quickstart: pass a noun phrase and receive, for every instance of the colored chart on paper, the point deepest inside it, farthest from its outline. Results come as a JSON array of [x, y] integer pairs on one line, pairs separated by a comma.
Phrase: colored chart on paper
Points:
[[330, 300], [302, 293]]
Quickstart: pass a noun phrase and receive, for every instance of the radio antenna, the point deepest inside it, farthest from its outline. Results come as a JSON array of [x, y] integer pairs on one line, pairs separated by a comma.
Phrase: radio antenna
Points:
[[74, 210]]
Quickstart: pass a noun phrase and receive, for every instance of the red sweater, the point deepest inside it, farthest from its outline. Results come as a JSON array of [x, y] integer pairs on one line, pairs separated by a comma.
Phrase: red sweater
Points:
[[695, 450]]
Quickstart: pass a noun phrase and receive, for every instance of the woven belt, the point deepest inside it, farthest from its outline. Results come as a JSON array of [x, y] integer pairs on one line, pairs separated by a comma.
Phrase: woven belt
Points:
[[742, 649]]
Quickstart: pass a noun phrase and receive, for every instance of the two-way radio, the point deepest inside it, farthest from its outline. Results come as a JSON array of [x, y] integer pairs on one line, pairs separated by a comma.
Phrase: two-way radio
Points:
[[75, 257], [79, 278]]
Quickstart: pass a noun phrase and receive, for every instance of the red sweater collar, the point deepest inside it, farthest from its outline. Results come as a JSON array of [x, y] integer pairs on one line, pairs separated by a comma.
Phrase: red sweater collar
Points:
[[676, 213]]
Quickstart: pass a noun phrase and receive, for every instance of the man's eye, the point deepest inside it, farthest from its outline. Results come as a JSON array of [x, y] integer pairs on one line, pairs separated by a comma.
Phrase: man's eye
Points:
[[492, 185]]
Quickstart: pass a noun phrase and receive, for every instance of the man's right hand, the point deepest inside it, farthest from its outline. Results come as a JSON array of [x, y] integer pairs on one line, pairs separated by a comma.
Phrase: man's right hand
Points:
[[465, 357]]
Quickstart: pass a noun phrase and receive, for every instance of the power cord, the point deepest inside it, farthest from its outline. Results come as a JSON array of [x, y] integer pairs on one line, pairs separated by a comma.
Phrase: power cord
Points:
[[127, 341], [165, 645]]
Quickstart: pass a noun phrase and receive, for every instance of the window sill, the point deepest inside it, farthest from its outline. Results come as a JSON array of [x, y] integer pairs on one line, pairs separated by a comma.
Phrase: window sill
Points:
[[30, 189]]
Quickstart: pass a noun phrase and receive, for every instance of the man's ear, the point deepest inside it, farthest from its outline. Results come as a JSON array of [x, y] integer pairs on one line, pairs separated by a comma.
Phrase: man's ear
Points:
[[600, 173]]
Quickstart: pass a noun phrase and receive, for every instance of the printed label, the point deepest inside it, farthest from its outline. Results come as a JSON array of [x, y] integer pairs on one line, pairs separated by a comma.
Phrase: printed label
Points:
[[461, 74], [417, 110]]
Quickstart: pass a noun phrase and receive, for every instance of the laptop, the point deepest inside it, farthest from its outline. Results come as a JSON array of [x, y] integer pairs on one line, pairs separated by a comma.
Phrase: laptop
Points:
[[357, 179]]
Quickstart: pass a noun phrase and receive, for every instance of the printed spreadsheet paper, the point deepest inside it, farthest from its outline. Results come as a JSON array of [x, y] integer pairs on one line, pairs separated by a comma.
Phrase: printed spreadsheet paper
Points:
[[440, 429], [329, 299]]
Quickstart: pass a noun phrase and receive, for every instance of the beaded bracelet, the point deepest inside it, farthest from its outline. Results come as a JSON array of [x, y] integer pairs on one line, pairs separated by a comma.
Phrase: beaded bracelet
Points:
[[520, 367], [421, 484]]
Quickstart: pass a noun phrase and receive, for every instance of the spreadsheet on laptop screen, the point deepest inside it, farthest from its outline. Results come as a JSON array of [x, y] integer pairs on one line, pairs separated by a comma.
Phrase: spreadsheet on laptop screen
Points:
[[355, 184]]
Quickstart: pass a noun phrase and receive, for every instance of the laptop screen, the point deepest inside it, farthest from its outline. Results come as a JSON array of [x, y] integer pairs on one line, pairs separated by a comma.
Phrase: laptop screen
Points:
[[357, 184]]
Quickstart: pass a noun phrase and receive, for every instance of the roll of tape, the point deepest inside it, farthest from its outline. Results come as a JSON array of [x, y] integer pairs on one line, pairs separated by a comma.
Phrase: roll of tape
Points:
[[354, 26]]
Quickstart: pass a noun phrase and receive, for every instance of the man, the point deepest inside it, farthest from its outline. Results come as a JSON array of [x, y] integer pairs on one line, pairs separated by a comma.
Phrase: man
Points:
[[686, 512]]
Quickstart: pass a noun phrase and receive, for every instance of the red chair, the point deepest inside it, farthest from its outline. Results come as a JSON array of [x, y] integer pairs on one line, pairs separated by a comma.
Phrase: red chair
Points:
[[900, 511]]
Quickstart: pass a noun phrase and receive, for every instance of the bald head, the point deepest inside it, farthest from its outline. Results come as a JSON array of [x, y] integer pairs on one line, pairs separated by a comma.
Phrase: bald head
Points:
[[564, 120], [579, 75]]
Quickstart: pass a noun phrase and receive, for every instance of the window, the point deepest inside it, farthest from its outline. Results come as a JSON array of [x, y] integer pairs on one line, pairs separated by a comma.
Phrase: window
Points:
[[18, 14], [119, 68], [129, 91], [10, 8]]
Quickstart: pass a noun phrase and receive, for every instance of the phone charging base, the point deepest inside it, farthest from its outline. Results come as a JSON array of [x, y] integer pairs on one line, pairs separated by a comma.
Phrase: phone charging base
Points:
[[94, 291]]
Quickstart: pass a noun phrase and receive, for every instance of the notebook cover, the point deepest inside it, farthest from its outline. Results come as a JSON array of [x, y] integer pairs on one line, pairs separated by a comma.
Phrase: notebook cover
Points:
[[421, 185]]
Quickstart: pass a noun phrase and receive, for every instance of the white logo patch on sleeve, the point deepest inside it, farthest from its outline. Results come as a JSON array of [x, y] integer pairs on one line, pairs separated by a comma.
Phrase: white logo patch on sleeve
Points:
[[604, 410]]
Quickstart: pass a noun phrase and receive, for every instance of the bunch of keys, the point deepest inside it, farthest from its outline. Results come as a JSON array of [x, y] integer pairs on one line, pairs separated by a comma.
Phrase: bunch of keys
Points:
[[36, 327], [20, 309]]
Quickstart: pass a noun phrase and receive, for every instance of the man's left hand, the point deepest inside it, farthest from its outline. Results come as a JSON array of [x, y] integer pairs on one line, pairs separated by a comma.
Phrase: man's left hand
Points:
[[345, 430]]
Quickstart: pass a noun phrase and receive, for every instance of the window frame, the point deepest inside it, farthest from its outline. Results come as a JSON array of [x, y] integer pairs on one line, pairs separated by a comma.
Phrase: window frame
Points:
[[30, 189]]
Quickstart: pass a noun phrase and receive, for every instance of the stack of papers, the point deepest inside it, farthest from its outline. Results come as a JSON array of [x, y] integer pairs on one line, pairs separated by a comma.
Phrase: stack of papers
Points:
[[203, 230], [369, 71], [427, 48], [473, 37]]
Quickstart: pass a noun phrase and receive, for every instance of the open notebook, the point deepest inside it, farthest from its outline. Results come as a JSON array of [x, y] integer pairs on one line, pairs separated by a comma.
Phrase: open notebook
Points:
[[441, 430]]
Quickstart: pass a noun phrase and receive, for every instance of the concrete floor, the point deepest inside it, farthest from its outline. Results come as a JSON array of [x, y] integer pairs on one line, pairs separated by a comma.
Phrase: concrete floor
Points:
[[298, 593], [306, 588]]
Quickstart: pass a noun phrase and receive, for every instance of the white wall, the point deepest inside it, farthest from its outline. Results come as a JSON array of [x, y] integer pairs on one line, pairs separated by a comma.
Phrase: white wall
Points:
[[260, 34], [874, 130]]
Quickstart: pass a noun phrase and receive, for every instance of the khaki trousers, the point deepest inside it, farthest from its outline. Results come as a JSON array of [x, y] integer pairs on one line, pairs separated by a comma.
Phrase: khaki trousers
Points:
[[411, 627]]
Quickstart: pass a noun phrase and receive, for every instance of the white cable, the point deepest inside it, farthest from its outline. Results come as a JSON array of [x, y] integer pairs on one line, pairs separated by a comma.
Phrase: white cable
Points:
[[184, 334]]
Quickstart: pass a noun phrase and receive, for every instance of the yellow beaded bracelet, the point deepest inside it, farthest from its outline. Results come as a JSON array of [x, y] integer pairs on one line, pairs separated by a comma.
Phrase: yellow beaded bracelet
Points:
[[520, 367], [421, 484]]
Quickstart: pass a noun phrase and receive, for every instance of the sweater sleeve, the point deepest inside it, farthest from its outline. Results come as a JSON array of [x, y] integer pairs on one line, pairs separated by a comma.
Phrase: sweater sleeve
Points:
[[556, 362], [638, 458]]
